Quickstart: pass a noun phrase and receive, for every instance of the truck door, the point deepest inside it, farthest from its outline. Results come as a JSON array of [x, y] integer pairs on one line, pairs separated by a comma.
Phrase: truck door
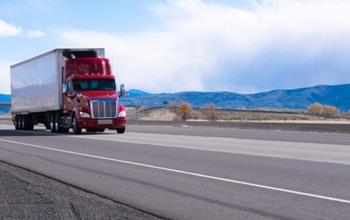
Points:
[[69, 97]]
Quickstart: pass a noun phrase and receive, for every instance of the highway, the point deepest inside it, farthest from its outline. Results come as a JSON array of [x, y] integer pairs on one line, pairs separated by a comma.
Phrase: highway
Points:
[[188, 172]]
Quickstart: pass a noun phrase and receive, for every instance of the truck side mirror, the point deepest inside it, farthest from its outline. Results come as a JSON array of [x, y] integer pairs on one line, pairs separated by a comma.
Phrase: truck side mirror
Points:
[[122, 91]]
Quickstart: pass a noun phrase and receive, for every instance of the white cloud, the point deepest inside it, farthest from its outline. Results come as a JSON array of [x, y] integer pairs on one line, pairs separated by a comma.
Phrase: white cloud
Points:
[[35, 34], [8, 30], [5, 86], [210, 46]]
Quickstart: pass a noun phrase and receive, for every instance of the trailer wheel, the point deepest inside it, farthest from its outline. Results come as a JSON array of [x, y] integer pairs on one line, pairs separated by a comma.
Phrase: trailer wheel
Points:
[[21, 122], [16, 122], [52, 119], [63, 130], [28, 122], [120, 130], [76, 129], [58, 124]]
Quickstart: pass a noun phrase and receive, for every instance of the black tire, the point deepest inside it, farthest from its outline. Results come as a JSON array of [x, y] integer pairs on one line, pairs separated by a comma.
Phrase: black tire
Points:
[[24, 123], [52, 123], [47, 123], [16, 122], [21, 122], [101, 130], [63, 130], [120, 130], [75, 128], [28, 123], [58, 124]]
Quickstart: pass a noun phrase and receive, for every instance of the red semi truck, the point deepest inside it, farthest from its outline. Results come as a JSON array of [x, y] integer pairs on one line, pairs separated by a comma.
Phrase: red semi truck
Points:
[[67, 88]]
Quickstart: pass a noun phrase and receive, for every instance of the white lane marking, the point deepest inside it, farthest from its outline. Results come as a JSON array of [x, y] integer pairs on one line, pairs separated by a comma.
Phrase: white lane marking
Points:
[[183, 172], [323, 153], [335, 154]]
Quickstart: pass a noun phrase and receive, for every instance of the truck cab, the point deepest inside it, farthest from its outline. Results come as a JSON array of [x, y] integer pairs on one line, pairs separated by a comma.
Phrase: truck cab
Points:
[[90, 96]]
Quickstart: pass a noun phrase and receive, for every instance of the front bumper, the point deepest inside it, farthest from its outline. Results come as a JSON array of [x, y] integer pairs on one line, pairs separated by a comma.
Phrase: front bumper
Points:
[[90, 123]]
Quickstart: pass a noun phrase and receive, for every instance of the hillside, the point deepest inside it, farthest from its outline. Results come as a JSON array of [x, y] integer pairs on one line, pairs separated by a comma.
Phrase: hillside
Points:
[[337, 95], [277, 99], [5, 98]]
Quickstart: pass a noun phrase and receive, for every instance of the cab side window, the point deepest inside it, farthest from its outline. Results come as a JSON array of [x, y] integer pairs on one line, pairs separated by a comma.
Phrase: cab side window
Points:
[[69, 86]]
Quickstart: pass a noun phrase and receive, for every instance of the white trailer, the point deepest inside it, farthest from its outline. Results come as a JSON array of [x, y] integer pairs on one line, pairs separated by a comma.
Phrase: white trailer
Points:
[[36, 83]]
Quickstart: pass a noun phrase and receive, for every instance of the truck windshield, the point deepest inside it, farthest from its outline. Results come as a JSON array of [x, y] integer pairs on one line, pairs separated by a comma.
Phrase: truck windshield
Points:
[[100, 84]]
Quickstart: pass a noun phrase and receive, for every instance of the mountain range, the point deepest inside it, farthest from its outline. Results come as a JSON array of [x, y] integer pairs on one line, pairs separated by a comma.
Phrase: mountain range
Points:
[[337, 95], [4, 99]]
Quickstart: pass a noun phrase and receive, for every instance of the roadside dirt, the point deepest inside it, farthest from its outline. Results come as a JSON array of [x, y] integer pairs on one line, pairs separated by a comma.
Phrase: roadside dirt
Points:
[[27, 195], [167, 114], [278, 126]]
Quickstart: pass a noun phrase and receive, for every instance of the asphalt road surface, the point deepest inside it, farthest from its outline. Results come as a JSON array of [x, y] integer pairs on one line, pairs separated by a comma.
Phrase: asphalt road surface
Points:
[[25, 195], [197, 172]]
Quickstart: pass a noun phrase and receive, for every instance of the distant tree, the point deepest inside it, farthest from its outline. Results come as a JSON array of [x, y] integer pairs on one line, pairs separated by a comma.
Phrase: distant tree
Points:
[[323, 110], [330, 111], [165, 103], [184, 110], [315, 109]]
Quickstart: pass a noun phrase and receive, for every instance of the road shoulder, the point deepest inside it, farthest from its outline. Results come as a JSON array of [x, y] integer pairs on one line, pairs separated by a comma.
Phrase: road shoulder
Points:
[[27, 195]]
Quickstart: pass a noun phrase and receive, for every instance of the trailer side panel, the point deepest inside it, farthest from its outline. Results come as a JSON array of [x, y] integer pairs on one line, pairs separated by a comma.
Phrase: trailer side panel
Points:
[[35, 85]]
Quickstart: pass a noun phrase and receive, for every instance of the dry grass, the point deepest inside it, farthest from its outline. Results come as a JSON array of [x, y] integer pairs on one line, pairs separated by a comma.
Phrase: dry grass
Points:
[[262, 116], [210, 112], [166, 114], [6, 116], [159, 115]]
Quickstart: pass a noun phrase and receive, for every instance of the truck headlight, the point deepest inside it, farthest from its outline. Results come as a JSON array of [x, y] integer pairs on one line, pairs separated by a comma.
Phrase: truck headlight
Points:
[[122, 114], [84, 115]]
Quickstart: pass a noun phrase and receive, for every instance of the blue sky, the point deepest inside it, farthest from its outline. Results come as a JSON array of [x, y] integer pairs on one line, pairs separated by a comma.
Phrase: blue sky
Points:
[[175, 45]]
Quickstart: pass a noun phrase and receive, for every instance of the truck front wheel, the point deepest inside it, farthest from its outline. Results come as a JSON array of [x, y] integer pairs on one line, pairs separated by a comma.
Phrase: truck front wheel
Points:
[[76, 129]]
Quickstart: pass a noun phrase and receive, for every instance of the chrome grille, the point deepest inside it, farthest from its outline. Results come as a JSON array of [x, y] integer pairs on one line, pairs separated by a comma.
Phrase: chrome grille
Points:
[[103, 108]]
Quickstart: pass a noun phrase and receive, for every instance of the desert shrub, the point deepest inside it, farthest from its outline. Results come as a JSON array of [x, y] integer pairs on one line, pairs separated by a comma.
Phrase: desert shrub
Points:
[[210, 112], [330, 111], [323, 110], [184, 110], [315, 108]]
